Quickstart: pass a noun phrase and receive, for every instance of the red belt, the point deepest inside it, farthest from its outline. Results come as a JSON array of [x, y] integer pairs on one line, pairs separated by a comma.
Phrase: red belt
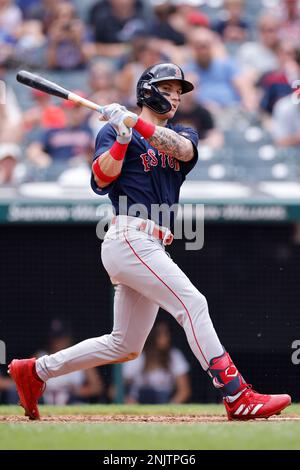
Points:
[[161, 233]]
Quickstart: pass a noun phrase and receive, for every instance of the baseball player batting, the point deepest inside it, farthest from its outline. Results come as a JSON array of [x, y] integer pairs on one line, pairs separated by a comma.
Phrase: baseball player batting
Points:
[[148, 164]]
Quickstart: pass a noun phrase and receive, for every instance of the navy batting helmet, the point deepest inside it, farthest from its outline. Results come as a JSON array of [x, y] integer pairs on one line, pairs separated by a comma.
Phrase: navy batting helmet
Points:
[[149, 95]]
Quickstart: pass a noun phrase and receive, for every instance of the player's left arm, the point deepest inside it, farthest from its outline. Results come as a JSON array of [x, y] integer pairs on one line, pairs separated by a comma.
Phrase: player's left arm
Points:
[[168, 141]]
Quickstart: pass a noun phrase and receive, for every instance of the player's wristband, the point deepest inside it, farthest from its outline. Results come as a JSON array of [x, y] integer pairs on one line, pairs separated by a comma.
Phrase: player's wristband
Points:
[[118, 151], [146, 129], [99, 173]]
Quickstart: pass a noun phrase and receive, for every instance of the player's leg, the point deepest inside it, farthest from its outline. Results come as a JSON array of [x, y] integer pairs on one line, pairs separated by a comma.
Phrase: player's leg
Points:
[[134, 316], [146, 266]]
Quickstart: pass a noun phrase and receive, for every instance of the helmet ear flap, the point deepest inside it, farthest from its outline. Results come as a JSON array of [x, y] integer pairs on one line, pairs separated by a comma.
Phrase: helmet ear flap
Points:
[[155, 101]]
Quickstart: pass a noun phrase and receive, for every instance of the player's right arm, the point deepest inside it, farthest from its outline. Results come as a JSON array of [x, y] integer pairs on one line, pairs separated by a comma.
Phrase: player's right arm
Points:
[[37, 155]]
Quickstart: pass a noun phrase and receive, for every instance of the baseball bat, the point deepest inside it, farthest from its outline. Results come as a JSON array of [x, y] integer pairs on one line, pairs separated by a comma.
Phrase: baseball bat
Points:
[[42, 84]]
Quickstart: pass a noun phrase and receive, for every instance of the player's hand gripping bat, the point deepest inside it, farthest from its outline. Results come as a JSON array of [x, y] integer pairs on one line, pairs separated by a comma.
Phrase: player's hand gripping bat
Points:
[[41, 83]]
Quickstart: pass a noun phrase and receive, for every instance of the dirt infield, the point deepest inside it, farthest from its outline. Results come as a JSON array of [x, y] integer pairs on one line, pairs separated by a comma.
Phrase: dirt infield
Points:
[[142, 419]]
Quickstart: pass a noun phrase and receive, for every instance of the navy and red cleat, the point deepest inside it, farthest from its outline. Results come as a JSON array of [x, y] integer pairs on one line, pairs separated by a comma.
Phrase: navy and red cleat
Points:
[[30, 388], [248, 404]]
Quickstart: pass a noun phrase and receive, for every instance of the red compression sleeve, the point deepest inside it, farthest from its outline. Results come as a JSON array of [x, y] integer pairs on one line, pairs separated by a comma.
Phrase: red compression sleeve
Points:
[[146, 129], [118, 150]]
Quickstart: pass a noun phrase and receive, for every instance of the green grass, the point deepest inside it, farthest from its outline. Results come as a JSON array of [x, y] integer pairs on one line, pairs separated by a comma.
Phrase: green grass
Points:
[[122, 409], [109, 436]]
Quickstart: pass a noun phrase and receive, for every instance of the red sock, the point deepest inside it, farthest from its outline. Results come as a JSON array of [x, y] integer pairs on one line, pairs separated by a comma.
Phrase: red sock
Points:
[[225, 375]]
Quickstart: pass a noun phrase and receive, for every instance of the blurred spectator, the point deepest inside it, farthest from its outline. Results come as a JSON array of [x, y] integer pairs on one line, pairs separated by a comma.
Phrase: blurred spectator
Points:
[[7, 43], [221, 83], [27, 5], [10, 112], [64, 13], [189, 10], [149, 53], [10, 21], [84, 386], [10, 17], [277, 84], [136, 39], [31, 44], [172, 20], [8, 393], [103, 89], [44, 11], [44, 114], [58, 148], [233, 27], [11, 170], [289, 16], [193, 114], [260, 56], [195, 18], [101, 80], [160, 374], [286, 117], [67, 39], [5, 383], [110, 19], [166, 25]]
